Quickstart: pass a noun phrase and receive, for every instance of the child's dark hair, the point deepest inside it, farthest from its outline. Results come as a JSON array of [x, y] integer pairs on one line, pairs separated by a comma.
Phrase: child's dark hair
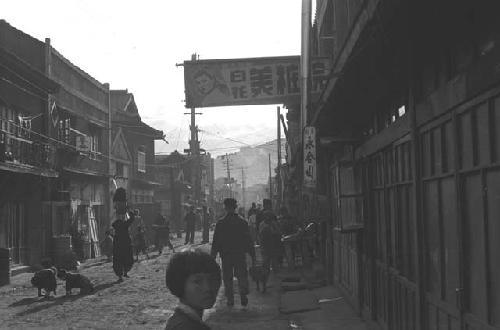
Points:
[[184, 264]]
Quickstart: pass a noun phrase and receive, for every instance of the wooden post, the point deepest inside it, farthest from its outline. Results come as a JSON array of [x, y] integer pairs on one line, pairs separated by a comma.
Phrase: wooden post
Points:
[[418, 234], [270, 182], [278, 174]]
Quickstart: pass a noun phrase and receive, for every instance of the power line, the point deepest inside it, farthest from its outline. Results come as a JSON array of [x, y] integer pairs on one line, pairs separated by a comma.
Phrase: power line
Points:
[[152, 136], [227, 138], [24, 79], [23, 89], [258, 145]]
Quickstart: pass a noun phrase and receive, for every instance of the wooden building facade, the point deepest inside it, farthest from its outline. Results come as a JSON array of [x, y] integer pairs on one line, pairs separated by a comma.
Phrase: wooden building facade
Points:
[[409, 130], [133, 157], [27, 157]]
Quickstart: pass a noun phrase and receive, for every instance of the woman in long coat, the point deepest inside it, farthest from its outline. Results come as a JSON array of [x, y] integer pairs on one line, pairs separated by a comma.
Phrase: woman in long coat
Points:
[[123, 257]]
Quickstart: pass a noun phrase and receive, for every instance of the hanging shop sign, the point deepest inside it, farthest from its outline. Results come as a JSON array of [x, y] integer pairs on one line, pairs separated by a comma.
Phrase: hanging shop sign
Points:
[[310, 157], [82, 143], [249, 81]]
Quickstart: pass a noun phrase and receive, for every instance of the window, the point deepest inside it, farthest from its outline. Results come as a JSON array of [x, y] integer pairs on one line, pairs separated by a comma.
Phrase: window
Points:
[[14, 130], [95, 143], [7, 119], [7, 128], [347, 197], [119, 170], [141, 161]]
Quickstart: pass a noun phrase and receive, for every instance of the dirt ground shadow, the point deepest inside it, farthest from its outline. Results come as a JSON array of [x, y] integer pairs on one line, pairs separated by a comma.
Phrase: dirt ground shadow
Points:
[[54, 301]]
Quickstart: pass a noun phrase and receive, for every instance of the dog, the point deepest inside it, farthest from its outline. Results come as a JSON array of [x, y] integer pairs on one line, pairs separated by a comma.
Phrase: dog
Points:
[[259, 275], [75, 281], [45, 279]]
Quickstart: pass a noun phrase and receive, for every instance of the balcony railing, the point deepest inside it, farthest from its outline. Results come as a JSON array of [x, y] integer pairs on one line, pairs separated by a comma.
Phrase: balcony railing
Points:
[[18, 147], [77, 142]]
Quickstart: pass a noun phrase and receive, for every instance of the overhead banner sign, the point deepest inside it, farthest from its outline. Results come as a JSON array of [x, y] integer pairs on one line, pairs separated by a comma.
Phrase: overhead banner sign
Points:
[[247, 81], [310, 157]]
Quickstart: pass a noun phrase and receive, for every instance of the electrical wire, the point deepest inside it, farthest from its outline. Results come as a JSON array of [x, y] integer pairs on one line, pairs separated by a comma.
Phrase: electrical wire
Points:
[[22, 88], [22, 78], [55, 99], [58, 142], [227, 138], [257, 145]]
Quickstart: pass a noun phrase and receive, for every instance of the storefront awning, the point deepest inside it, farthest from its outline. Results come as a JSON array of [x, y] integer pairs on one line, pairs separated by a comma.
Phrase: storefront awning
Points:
[[28, 169], [84, 172]]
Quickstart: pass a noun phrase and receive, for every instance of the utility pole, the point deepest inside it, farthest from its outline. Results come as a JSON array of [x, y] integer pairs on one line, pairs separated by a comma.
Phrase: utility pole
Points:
[[194, 147], [243, 187], [278, 173], [270, 181], [229, 177], [304, 97], [195, 153]]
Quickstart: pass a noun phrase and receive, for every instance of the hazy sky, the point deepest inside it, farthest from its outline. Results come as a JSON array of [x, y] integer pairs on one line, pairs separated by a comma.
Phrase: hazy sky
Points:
[[136, 44]]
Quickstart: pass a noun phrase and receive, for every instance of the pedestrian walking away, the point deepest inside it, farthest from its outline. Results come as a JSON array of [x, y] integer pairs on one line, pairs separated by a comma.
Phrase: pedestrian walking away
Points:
[[140, 243], [194, 277], [205, 225], [232, 242], [190, 220], [252, 210], [270, 237], [252, 223], [162, 234], [198, 219], [258, 220], [123, 258]]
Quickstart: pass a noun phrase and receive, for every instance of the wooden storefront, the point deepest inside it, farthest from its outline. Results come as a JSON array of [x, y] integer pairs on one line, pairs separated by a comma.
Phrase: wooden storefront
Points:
[[415, 199]]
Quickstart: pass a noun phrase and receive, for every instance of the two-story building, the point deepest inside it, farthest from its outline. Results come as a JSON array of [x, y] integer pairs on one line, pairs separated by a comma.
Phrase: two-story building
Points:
[[66, 143], [133, 156], [27, 154], [79, 120]]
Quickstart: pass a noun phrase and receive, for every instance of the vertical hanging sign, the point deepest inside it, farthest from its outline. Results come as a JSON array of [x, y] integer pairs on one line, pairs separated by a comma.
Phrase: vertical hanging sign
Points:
[[310, 157]]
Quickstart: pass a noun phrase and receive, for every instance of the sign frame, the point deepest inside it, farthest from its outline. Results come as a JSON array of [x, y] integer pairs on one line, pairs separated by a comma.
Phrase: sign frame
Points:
[[250, 81]]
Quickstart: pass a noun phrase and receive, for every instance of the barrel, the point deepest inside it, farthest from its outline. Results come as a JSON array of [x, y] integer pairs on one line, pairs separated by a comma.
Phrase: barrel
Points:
[[4, 266]]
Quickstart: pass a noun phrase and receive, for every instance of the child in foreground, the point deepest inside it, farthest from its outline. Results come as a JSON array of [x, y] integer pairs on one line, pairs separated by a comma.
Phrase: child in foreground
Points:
[[194, 277]]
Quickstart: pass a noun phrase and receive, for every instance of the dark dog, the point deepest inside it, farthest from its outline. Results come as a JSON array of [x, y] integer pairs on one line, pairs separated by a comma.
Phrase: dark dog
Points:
[[75, 281], [259, 275], [45, 279]]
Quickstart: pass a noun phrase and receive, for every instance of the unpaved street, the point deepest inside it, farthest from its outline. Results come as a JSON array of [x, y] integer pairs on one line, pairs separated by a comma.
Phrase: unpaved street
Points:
[[141, 301]]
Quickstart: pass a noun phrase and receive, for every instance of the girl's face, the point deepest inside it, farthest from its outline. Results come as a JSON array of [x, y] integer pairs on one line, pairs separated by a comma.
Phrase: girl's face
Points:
[[201, 291]]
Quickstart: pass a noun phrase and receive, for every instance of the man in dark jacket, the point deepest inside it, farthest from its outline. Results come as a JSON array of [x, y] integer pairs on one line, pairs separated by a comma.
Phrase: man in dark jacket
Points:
[[190, 220], [232, 241]]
